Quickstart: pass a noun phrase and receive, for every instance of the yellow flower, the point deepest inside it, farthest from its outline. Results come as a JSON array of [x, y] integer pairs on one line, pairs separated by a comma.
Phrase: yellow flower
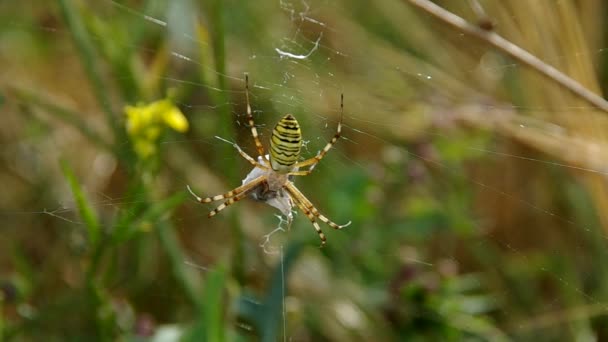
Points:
[[176, 120], [146, 122]]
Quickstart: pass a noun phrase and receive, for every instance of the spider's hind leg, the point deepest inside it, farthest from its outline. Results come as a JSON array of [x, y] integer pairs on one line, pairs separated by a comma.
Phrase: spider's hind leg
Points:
[[300, 198], [312, 219], [310, 211]]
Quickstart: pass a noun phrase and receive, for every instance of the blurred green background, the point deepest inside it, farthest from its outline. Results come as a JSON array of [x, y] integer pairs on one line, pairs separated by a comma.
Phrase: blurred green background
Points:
[[476, 188]]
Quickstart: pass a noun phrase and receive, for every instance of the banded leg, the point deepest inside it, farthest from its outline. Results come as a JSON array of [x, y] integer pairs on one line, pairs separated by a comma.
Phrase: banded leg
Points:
[[250, 159], [299, 197], [234, 192], [316, 159], [310, 211], [303, 172], [312, 219], [229, 202], [254, 131]]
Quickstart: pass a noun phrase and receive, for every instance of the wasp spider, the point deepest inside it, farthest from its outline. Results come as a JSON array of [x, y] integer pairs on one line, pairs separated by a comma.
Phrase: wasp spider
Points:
[[271, 178]]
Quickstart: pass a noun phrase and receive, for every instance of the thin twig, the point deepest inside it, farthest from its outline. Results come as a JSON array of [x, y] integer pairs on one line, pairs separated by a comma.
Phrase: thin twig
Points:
[[512, 50]]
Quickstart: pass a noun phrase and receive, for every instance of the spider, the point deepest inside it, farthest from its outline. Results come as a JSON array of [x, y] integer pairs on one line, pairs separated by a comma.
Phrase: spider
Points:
[[271, 178]]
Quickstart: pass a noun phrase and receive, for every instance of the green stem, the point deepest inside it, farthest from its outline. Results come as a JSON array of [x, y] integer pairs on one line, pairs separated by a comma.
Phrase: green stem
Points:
[[170, 244], [86, 50]]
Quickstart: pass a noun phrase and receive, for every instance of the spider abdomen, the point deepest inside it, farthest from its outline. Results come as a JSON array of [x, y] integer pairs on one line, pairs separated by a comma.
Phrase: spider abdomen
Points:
[[285, 144]]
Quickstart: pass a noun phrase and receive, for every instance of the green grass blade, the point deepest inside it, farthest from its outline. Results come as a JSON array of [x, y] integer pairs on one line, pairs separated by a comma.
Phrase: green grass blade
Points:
[[1, 320], [84, 207], [86, 50], [170, 244], [275, 296], [215, 15], [213, 305], [154, 213], [267, 317]]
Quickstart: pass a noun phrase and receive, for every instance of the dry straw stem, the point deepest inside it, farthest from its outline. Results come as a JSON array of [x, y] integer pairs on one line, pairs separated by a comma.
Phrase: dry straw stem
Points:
[[580, 154], [583, 152], [512, 50]]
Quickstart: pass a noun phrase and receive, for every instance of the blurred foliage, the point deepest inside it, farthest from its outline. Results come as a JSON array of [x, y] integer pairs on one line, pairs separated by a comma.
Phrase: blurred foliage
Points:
[[475, 187]]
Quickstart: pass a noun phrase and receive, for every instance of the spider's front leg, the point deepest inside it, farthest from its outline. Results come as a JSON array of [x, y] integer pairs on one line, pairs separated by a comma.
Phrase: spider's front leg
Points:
[[243, 189], [305, 172], [316, 159], [254, 131]]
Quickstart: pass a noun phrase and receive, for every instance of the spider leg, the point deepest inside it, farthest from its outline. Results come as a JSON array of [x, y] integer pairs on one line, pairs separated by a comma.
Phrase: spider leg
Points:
[[254, 131], [229, 202], [234, 192], [301, 173], [314, 160], [310, 211], [299, 197], [312, 219], [249, 158]]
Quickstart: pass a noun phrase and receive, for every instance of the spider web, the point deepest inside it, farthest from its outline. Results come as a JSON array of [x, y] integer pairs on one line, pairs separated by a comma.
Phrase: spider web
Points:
[[399, 122]]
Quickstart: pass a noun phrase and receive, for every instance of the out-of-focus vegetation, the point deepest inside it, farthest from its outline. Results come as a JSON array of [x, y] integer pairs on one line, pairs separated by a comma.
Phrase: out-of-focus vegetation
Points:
[[476, 188]]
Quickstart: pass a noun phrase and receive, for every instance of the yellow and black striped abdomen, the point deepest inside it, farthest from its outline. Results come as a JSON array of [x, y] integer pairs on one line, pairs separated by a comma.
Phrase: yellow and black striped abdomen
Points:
[[285, 144]]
